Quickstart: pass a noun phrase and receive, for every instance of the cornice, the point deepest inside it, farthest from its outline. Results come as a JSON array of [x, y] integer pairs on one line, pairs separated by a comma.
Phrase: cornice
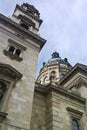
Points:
[[78, 83], [21, 9], [8, 71], [27, 20], [11, 24], [74, 113], [52, 87], [77, 68]]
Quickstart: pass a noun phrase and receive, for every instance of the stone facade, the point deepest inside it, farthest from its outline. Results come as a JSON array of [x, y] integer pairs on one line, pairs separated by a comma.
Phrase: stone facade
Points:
[[57, 100], [19, 48], [65, 100], [61, 106], [38, 120]]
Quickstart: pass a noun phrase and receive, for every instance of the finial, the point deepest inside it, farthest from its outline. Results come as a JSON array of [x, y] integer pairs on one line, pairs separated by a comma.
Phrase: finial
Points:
[[65, 59], [44, 63], [55, 55]]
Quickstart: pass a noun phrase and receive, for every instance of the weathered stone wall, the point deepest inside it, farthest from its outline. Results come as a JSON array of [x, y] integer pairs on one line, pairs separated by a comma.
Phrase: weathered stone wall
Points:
[[20, 101], [50, 111], [38, 120], [54, 121], [58, 118]]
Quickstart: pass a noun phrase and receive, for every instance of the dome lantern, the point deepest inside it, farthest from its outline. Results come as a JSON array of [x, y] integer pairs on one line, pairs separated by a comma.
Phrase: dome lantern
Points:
[[55, 55]]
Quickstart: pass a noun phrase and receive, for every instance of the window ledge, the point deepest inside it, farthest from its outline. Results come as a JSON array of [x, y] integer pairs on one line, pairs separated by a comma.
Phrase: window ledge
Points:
[[14, 57], [3, 116], [74, 113]]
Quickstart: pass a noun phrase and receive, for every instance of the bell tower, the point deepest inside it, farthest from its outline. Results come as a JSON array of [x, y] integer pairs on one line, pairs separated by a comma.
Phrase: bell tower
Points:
[[20, 45], [28, 17]]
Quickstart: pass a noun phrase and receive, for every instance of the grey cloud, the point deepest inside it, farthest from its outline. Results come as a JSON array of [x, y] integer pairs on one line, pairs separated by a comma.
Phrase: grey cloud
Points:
[[64, 27]]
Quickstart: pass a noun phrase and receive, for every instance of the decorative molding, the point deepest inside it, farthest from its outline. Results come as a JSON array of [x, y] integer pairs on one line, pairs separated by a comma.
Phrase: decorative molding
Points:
[[17, 44], [77, 82], [9, 71], [74, 113], [27, 12], [13, 57], [40, 86], [26, 33], [53, 87], [27, 20], [77, 68]]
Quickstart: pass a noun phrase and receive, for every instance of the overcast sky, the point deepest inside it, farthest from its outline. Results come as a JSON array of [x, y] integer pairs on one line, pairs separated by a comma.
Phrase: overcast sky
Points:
[[64, 27]]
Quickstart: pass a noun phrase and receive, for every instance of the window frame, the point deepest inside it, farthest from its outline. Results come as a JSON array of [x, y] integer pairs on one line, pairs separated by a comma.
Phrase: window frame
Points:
[[17, 46], [76, 115], [75, 123], [9, 76], [45, 80], [52, 76]]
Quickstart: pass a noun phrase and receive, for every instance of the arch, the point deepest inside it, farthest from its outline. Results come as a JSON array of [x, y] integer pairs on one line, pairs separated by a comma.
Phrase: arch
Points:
[[75, 124], [45, 80], [52, 76], [53, 72]]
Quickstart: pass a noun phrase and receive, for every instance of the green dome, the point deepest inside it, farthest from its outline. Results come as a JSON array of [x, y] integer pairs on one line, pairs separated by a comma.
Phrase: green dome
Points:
[[56, 59]]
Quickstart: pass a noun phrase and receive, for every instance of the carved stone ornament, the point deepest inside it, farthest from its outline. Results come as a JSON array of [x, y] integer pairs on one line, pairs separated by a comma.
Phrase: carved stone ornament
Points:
[[9, 71], [75, 113]]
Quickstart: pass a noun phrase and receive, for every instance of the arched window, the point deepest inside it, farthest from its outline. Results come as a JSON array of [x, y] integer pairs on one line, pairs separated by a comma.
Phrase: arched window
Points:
[[75, 125], [11, 49], [52, 76], [45, 80]]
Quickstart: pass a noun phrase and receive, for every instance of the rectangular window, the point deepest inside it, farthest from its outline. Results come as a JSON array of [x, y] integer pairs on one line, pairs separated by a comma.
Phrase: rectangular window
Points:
[[76, 117], [14, 50]]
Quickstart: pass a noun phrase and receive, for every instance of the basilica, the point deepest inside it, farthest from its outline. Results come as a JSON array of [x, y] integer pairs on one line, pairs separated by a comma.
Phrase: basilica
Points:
[[57, 99]]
